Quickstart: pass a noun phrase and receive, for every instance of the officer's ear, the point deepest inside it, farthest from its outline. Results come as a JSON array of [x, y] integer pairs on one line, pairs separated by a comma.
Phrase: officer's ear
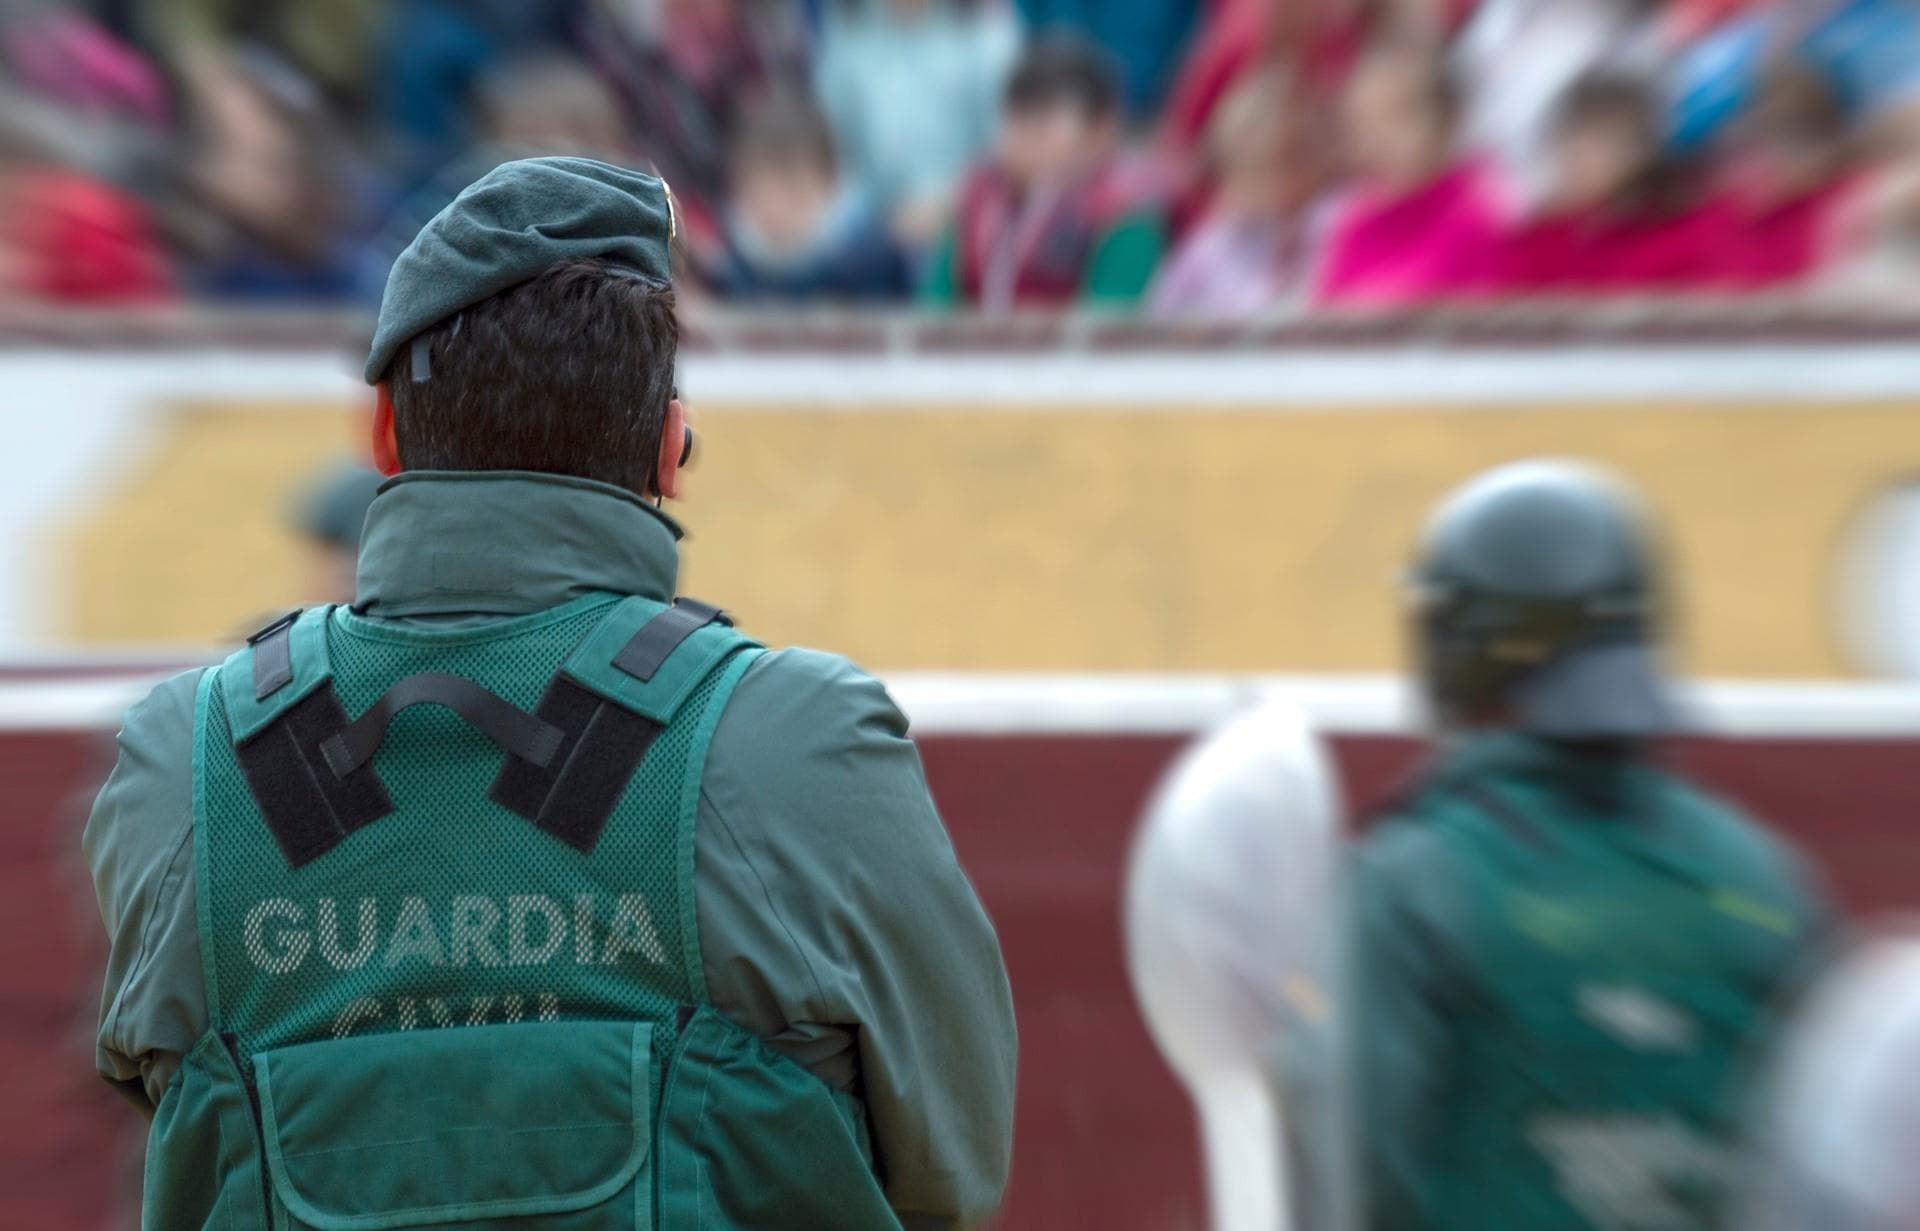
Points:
[[386, 446], [675, 452]]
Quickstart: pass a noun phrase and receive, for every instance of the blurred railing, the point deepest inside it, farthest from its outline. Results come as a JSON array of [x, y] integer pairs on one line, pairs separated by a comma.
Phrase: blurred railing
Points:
[[1515, 323]]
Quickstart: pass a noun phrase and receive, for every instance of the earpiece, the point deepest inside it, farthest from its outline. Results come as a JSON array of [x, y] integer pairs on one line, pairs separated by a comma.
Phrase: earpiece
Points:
[[686, 447]]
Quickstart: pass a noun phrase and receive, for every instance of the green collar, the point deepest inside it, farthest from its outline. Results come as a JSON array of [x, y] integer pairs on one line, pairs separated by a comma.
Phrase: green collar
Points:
[[508, 542]]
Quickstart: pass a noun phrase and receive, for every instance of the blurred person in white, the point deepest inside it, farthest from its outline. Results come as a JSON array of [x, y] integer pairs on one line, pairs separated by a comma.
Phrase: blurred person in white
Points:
[[912, 89], [1842, 1118], [1255, 245], [796, 228], [1419, 221], [1518, 58]]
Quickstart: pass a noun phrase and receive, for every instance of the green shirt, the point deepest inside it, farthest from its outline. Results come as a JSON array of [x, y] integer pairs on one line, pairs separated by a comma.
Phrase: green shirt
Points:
[[834, 919]]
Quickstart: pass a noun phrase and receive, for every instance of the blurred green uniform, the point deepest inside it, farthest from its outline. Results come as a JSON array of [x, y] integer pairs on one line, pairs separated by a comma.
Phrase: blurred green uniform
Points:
[[1566, 958]]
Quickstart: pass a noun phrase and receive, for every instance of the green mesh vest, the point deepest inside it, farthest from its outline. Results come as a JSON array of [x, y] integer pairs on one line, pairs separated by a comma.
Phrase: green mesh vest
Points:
[[1621, 978], [448, 931]]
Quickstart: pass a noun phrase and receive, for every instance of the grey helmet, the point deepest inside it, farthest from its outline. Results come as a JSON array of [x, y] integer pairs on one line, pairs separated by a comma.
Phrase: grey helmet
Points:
[[1535, 606]]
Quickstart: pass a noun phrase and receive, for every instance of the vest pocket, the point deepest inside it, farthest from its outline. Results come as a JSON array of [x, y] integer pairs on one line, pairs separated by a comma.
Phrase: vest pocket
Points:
[[534, 1127]]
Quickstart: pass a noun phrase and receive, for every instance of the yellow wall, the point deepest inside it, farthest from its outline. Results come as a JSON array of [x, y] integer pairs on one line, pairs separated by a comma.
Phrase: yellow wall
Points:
[[1080, 539]]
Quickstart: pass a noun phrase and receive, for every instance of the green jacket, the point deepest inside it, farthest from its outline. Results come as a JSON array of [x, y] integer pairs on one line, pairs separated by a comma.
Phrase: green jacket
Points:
[[1566, 965], [833, 919]]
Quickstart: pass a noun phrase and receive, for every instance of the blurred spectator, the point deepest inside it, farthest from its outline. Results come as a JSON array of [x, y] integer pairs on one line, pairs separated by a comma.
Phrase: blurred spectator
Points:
[[75, 103], [69, 238], [327, 43], [1519, 58], [66, 58], [1791, 179], [1320, 40], [268, 169], [432, 56], [1147, 36], [911, 88], [547, 102], [1056, 216], [1254, 246], [1878, 235], [797, 229], [1866, 51], [685, 71], [1620, 215], [1419, 222]]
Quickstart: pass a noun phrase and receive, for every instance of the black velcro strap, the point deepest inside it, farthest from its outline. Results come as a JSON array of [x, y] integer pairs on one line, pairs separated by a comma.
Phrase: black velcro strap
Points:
[[308, 807], [662, 635], [573, 795], [506, 724], [273, 656]]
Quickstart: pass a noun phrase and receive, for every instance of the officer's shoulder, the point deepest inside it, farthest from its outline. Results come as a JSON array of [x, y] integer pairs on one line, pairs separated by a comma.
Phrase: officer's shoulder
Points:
[[814, 686], [1734, 837], [165, 712]]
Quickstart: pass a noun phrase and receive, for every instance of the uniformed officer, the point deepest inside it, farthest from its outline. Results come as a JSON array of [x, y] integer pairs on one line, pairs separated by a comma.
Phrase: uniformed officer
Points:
[[1566, 954], [518, 893]]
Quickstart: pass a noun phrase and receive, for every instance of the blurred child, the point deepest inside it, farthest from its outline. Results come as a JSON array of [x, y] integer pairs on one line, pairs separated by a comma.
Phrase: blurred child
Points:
[[268, 167], [1619, 217], [795, 228], [1056, 216], [1419, 222], [912, 88], [1877, 233], [685, 72], [1254, 246], [1792, 177]]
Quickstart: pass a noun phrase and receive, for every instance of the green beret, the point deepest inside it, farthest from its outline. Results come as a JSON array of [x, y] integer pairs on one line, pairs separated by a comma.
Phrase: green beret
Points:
[[512, 224]]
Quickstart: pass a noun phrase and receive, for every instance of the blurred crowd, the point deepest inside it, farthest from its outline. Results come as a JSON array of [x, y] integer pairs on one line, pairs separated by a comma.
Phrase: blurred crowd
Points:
[[1181, 157]]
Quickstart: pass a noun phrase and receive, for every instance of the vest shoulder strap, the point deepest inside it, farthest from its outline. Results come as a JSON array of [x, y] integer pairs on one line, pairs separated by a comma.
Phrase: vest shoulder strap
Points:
[[280, 666], [611, 699], [648, 657], [281, 709]]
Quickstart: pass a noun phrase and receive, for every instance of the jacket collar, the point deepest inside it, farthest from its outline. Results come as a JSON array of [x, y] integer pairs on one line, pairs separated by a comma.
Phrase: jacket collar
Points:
[[508, 542]]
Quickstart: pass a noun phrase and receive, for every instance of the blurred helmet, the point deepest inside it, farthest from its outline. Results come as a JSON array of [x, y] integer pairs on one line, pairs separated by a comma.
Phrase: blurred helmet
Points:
[[1534, 602]]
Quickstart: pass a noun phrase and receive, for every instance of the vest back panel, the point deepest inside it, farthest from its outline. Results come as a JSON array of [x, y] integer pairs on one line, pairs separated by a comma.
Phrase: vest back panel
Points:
[[452, 910]]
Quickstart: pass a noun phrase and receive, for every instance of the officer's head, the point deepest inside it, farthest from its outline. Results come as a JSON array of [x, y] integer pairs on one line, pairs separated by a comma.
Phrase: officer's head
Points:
[[1535, 606], [531, 326]]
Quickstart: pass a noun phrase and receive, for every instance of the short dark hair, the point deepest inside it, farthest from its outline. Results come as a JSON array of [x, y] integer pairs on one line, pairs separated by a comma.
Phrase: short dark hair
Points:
[[568, 373], [1064, 68]]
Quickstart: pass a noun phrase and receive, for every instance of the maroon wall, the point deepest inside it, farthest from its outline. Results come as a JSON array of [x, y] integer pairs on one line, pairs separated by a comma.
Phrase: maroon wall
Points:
[[1105, 1137]]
